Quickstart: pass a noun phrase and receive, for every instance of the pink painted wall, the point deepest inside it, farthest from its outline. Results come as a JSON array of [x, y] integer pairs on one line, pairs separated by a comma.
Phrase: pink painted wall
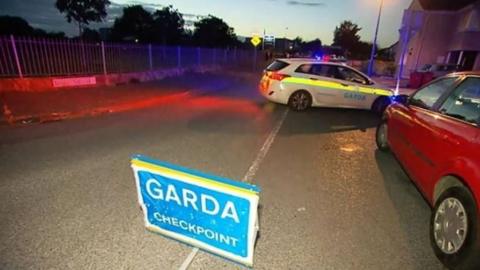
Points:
[[46, 83]]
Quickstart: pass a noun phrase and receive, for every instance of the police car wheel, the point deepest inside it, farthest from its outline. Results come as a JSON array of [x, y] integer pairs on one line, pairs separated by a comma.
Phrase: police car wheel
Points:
[[381, 137], [300, 100], [380, 104], [454, 229]]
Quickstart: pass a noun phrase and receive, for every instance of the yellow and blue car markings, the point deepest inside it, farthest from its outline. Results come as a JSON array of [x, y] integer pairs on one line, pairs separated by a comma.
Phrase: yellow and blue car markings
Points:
[[338, 86], [354, 96]]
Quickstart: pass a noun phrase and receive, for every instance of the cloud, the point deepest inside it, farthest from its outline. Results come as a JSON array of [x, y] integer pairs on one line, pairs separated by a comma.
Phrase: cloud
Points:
[[43, 14], [305, 3], [148, 5]]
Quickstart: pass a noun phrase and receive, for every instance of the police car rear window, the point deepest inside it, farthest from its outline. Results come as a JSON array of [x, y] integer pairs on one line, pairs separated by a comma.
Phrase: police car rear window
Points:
[[277, 65]]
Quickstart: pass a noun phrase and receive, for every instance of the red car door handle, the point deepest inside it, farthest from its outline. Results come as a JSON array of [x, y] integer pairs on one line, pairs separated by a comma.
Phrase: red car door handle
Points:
[[451, 140]]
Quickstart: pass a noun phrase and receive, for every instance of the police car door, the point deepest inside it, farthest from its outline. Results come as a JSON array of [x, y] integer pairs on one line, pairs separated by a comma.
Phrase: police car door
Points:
[[360, 95], [328, 89], [314, 81], [336, 89]]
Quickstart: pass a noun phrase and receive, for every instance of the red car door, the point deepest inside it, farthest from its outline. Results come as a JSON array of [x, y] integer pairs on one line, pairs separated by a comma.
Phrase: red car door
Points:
[[399, 122], [410, 128], [455, 132], [443, 137]]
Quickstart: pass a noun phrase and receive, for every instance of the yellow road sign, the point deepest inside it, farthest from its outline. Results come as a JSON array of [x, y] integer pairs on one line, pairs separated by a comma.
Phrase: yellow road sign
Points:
[[255, 40]]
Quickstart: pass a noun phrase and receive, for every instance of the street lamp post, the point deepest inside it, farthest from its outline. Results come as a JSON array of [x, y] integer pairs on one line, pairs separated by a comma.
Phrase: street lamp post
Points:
[[370, 63]]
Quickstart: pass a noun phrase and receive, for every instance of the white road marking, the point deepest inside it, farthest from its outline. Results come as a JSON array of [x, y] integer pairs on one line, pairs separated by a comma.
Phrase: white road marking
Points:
[[264, 150], [249, 175], [189, 259]]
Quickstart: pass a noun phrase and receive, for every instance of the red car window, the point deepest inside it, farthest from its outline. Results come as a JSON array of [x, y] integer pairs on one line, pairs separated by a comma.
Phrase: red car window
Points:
[[429, 95], [464, 102]]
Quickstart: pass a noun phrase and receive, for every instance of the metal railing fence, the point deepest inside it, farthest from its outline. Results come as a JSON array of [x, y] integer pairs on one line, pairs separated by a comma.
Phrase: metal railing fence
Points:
[[32, 57]]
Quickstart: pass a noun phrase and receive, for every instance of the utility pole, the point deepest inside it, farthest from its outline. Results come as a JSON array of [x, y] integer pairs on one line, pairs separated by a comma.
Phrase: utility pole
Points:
[[263, 41], [372, 55]]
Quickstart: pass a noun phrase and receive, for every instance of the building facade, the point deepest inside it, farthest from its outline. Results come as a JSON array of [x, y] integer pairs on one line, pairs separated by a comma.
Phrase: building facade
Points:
[[440, 32]]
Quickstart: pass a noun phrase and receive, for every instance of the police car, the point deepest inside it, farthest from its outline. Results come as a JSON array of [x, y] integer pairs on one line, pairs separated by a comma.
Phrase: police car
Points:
[[303, 83]]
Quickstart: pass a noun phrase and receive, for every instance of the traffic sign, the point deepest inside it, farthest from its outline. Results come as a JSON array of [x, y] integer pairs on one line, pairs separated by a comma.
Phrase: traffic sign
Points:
[[269, 38], [209, 212], [255, 40]]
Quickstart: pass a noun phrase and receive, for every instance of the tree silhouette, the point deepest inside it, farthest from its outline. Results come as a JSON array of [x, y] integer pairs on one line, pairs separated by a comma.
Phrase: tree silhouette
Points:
[[167, 26], [83, 11], [91, 35], [134, 24], [346, 36], [14, 26], [17, 26], [213, 32], [312, 46]]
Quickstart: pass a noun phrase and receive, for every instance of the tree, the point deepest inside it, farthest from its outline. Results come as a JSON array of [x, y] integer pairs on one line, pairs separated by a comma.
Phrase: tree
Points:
[[134, 24], [83, 11], [346, 36], [312, 46], [362, 50], [90, 35], [10, 25], [167, 26], [42, 33], [214, 32], [298, 43], [17, 26]]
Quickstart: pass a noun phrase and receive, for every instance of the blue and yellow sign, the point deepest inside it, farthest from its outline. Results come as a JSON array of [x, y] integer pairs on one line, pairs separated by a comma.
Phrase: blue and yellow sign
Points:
[[212, 213]]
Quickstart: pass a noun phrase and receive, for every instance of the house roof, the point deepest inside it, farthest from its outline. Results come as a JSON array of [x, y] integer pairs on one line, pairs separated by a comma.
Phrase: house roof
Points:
[[451, 5]]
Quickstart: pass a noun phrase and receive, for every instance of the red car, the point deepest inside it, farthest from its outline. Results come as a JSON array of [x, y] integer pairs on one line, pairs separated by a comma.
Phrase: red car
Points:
[[435, 135]]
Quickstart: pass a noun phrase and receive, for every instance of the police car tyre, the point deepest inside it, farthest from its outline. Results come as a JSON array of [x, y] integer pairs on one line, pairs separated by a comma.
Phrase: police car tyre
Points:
[[300, 100], [381, 136], [447, 226], [380, 104]]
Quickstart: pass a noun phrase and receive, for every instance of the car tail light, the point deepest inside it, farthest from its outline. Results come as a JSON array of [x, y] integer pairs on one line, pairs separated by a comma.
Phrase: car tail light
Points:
[[277, 76]]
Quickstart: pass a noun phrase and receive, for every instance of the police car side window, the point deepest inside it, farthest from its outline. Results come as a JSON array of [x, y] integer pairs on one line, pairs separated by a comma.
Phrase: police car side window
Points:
[[318, 70], [324, 71], [305, 68], [347, 74]]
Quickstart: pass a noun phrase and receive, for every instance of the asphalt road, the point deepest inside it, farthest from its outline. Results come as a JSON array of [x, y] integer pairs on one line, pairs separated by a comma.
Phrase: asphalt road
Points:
[[329, 200]]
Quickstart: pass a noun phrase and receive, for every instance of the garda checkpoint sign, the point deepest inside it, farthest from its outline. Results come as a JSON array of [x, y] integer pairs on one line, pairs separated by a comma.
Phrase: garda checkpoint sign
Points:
[[209, 212]]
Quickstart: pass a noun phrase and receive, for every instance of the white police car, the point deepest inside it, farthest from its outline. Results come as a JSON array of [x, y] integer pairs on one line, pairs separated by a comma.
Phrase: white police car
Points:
[[302, 83]]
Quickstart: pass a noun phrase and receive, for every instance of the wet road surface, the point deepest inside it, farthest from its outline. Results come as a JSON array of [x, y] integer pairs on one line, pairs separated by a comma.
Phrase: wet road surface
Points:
[[329, 200]]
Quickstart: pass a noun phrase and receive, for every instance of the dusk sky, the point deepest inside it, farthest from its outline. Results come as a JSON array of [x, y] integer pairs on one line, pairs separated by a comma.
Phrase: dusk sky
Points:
[[308, 19]]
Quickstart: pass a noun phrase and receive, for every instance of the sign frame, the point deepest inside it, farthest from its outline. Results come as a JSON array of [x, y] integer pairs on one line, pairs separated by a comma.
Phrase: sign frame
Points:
[[140, 163]]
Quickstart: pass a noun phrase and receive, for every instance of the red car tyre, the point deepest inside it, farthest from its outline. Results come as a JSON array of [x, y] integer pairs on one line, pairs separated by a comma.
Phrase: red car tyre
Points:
[[454, 231], [381, 136]]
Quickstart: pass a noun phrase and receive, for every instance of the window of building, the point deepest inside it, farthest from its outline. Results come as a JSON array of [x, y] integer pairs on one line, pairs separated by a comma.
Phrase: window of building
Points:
[[470, 21], [453, 57]]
